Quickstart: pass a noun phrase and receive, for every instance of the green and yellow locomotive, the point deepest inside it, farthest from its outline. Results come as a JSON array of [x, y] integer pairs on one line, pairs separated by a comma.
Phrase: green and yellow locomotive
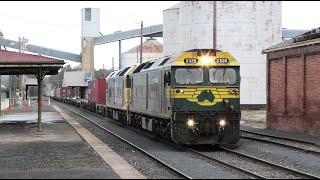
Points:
[[191, 98]]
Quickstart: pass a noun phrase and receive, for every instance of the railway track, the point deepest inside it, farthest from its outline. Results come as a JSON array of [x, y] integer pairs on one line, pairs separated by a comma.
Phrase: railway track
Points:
[[150, 155], [238, 169], [303, 146], [215, 161], [289, 170]]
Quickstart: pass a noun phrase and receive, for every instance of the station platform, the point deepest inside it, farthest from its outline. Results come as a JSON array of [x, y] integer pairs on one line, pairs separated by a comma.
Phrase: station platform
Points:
[[59, 151]]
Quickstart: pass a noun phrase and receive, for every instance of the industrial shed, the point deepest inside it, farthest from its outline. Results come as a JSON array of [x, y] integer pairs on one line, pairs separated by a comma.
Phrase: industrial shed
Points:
[[293, 79], [75, 81]]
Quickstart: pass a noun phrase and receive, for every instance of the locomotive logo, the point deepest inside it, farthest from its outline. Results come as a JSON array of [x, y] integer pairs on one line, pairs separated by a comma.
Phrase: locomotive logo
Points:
[[206, 95]]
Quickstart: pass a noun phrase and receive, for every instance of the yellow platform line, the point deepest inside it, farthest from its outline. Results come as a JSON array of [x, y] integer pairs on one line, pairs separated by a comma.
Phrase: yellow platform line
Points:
[[118, 164]]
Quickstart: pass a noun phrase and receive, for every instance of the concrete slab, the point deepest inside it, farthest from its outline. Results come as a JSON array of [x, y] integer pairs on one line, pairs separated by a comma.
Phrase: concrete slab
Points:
[[56, 152], [31, 117]]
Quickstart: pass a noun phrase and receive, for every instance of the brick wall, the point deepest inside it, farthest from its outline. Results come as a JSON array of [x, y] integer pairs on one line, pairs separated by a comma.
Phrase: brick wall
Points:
[[294, 90], [312, 91], [277, 90]]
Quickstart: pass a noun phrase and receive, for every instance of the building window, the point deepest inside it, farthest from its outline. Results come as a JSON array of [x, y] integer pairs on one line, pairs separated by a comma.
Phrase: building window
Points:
[[87, 14]]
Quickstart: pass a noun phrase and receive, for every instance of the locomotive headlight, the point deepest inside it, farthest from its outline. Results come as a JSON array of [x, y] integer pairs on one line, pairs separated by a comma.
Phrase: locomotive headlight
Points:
[[190, 122], [222, 123], [206, 59]]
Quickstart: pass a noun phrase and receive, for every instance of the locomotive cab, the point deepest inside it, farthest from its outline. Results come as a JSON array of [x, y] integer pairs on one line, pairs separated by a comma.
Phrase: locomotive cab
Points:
[[205, 98]]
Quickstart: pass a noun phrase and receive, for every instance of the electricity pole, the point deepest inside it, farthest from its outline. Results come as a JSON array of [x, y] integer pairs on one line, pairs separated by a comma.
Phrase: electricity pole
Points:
[[112, 64], [104, 73], [214, 24], [141, 42]]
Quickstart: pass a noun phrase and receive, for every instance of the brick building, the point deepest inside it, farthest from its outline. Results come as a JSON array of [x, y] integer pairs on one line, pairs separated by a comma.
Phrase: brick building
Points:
[[293, 84]]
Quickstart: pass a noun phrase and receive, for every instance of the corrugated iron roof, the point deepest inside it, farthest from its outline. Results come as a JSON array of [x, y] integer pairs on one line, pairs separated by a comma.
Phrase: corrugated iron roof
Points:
[[150, 46], [291, 44], [16, 57], [307, 38]]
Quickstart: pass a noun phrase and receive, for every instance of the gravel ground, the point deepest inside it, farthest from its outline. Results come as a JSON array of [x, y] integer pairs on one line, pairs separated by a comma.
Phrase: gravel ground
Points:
[[140, 161], [250, 165], [254, 118], [293, 159], [305, 146]]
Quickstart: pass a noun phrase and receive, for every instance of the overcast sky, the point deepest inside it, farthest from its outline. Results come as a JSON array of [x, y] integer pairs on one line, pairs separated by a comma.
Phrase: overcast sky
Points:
[[57, 25]]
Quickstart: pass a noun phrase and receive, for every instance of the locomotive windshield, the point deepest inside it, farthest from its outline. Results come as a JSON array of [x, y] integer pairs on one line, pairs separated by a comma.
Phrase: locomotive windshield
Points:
[[224, 75], [189, 75]]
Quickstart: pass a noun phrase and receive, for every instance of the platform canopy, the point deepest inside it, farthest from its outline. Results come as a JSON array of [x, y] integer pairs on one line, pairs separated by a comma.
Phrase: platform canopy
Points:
[[14, 63]]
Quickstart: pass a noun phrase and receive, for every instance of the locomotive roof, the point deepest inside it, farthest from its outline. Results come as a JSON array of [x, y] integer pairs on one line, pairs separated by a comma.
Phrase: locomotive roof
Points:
[[179, 59]]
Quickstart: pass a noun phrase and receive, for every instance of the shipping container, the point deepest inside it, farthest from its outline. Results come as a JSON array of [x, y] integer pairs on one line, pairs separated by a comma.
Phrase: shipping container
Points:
[[89, 91], [98, 91], [57, 94], [70, 93], [66, 92], [63, 92], [84, 93]]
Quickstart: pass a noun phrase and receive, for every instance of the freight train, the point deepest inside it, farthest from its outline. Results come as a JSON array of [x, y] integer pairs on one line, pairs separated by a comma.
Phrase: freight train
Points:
[[191, 98]]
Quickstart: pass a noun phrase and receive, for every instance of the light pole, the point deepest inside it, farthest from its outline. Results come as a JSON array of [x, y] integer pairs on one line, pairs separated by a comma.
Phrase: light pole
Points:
[[141, 42], [214, 18]]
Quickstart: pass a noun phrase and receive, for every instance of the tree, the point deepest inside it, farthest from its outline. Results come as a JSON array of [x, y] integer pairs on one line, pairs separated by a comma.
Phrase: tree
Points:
[[102, 73]]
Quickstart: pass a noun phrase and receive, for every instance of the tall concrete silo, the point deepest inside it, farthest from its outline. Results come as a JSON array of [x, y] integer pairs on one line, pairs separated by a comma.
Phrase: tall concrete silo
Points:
[[151, 49], [243, 28], [90, 28], [171, 30], [196, 24]]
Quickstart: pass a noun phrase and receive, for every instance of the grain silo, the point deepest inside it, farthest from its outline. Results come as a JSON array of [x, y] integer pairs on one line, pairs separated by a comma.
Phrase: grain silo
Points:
[[243, 28], [196, 24], [151, 49], [171, 30]]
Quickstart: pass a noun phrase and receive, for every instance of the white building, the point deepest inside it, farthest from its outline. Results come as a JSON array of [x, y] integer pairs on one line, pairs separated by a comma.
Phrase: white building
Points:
[[151, 49]]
